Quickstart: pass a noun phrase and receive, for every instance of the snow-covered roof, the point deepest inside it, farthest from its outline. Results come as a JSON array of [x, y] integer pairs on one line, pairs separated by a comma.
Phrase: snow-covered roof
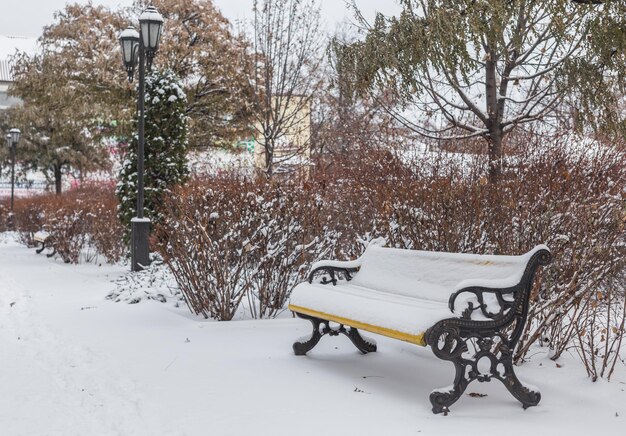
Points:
[[9, 46]]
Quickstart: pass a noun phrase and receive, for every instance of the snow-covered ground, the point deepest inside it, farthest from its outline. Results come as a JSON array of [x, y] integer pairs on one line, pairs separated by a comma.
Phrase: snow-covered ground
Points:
[[75, 363]]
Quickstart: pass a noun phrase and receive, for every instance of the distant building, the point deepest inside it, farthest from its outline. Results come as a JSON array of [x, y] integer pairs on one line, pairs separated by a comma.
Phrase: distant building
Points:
[[293, 149], [5, 80], [9, 46]]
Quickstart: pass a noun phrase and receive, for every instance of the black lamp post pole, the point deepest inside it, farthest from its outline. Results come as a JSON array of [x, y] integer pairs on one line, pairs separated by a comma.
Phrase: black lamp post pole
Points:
[[140, 226], [12, 176], [141, 128]]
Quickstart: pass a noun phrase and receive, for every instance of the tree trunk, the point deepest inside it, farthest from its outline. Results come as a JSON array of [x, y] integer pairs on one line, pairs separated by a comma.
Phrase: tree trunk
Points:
[[493, 118], [57, 179], [495, 156], [269, 158]]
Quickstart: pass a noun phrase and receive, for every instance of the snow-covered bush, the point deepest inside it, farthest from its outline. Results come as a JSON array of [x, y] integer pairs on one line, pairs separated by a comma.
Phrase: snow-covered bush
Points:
[[5, 211], [156, 282], [104, 228], [65, 222], [83, 223], [229, 240], [28, 217]]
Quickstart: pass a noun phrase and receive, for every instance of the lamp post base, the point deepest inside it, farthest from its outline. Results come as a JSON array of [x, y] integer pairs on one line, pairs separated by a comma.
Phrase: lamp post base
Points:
[[139, 246], [10, 221]]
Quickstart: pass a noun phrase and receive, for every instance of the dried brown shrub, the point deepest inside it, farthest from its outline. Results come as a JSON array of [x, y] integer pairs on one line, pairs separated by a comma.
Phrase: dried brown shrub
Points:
[[570, 198], [82, 223], [228, 239], [29, 217], [5, 211]]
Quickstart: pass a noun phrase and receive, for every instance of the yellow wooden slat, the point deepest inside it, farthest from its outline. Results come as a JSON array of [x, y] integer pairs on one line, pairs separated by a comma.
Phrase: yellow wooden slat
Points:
[[413, 339]]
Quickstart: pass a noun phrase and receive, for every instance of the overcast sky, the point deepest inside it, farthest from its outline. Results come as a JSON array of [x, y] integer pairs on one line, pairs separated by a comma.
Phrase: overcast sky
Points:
[[27, 17]]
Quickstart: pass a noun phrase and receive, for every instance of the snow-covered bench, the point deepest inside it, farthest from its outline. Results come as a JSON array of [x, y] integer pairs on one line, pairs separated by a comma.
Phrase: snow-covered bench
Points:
[[468, 308], [43, 238]]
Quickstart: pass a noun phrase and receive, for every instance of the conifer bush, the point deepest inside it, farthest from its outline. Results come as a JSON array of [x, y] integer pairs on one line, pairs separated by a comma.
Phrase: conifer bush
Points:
[[165, 162]]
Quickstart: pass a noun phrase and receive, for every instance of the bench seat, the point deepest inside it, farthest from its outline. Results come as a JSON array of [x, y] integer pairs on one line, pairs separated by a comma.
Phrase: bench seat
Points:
[[365, 309], [402, 293], [41, 236]]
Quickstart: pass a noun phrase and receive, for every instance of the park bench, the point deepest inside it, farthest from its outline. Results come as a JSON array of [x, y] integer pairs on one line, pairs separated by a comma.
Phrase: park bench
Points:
[[470, 309], [45, 240]]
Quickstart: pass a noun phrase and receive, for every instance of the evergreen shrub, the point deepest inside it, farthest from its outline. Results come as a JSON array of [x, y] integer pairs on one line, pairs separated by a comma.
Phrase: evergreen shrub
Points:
[[165, 162]]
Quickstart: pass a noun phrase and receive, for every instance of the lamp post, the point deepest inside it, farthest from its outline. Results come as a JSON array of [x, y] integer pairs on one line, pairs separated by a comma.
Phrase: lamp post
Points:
[[140, 48], [10, 215], [13, 138]]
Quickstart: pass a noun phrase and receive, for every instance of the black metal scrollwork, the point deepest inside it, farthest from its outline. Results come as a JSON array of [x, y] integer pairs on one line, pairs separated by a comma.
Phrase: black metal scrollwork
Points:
[[466, 342], [332, 272], [466, 350], [480, 292]]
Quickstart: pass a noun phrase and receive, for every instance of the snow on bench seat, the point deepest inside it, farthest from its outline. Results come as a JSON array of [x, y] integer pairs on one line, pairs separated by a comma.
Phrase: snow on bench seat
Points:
[[402, 293], [41, 236]]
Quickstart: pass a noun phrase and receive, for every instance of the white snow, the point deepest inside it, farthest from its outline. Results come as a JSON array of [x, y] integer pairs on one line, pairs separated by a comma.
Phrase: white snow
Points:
[[349, 264], [74, 363], [215, 161], [41, 235]]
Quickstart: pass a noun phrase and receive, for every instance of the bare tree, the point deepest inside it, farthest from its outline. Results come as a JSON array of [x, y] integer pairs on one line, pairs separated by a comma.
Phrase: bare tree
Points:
[[288, 53], [345, 121], [464, 69]]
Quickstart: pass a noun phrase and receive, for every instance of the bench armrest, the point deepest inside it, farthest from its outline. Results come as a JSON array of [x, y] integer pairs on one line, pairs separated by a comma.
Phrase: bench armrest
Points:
[[479, 292], [333, 268], [519, 292], [347, 268]]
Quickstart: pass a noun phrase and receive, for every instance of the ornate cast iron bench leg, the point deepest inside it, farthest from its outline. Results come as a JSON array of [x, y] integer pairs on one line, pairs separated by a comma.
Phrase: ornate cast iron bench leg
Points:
[[40, 249], [524, 394], [449, 344], [364, 344], [46, 243], [303, 346], [300, 348]]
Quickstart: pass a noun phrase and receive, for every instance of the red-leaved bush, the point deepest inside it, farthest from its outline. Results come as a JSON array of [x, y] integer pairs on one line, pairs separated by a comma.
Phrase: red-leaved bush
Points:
[[229, 239], [82, 223]]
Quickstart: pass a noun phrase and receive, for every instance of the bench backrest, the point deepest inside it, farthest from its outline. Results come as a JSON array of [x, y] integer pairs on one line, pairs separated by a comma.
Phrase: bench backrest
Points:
[[435, 275]]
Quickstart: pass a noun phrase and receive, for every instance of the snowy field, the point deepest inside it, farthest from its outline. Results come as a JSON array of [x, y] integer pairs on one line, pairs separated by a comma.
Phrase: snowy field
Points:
[[74, 363]]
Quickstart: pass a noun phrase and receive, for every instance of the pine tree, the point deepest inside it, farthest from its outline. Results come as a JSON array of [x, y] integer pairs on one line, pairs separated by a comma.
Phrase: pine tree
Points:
[[165, 148]]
